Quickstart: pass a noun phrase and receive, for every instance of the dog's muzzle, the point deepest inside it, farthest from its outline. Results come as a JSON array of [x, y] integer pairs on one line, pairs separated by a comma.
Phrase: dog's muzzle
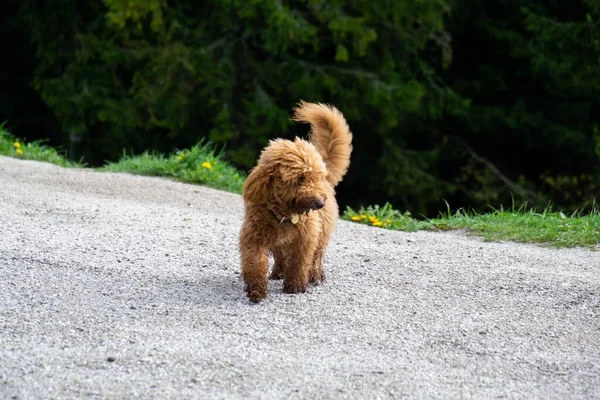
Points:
[[307, 204]]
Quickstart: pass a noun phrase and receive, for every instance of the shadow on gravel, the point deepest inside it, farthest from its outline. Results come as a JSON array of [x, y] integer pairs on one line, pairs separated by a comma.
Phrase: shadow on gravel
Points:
[[213, 289]]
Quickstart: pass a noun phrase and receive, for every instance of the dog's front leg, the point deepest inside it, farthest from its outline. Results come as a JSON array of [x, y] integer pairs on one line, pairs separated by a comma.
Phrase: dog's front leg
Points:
[[254, 270]]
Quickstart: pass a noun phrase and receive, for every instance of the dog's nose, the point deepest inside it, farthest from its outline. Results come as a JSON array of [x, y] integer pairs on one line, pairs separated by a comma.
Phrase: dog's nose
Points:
[[319, 203]]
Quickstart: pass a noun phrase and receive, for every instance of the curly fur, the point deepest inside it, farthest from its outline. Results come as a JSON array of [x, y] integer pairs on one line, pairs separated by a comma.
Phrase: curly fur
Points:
[[290, 205]]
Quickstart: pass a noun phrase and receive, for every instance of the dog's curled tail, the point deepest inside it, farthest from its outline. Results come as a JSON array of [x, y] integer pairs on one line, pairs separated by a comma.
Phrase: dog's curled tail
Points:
[[330, 134]]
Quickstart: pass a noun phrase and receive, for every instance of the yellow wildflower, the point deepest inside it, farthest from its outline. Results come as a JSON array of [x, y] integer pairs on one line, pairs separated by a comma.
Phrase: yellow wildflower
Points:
[[363, 216], [373, 219], [206, 165], [388, 221], [19, 151], [377, 223], [356, 218], [17, 144]]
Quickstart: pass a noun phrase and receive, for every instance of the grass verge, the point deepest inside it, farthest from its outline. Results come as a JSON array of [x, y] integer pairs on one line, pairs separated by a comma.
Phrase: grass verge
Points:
[[13, 147], [200, 164], [520, 225]]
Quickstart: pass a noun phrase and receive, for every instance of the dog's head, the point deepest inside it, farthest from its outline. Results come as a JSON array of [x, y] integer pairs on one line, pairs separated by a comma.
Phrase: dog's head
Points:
[[289, 176]]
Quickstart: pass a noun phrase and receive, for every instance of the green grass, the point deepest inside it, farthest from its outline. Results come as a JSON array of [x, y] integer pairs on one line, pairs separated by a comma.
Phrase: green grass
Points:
[[201, 164], [14, 147], [520, 225]]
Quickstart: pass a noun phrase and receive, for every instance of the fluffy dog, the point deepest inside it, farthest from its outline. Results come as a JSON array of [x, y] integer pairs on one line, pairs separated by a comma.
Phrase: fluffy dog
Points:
[[290, 206]]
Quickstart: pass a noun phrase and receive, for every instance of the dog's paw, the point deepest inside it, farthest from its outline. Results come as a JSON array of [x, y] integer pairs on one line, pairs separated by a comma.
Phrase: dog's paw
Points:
[[316, 277], [256, 295], [294, 287]]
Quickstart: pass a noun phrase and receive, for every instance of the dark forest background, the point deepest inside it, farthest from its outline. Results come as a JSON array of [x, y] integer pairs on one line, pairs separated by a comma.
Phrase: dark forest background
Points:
[[476, 102]]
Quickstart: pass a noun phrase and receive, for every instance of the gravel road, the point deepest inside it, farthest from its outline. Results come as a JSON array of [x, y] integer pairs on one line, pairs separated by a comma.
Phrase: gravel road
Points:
[[117, 286]]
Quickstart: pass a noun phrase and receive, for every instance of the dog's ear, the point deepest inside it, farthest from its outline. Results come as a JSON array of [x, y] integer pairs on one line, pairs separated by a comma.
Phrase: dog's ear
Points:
[[256, 187]]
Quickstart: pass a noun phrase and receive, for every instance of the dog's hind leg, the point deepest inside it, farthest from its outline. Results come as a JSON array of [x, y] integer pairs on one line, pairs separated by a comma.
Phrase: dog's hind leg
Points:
[[279, 265], [301, 257], [317, 274]]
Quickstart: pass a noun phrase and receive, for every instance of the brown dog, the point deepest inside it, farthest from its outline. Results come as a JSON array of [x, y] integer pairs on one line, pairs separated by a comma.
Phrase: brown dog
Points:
[[290, 206]]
